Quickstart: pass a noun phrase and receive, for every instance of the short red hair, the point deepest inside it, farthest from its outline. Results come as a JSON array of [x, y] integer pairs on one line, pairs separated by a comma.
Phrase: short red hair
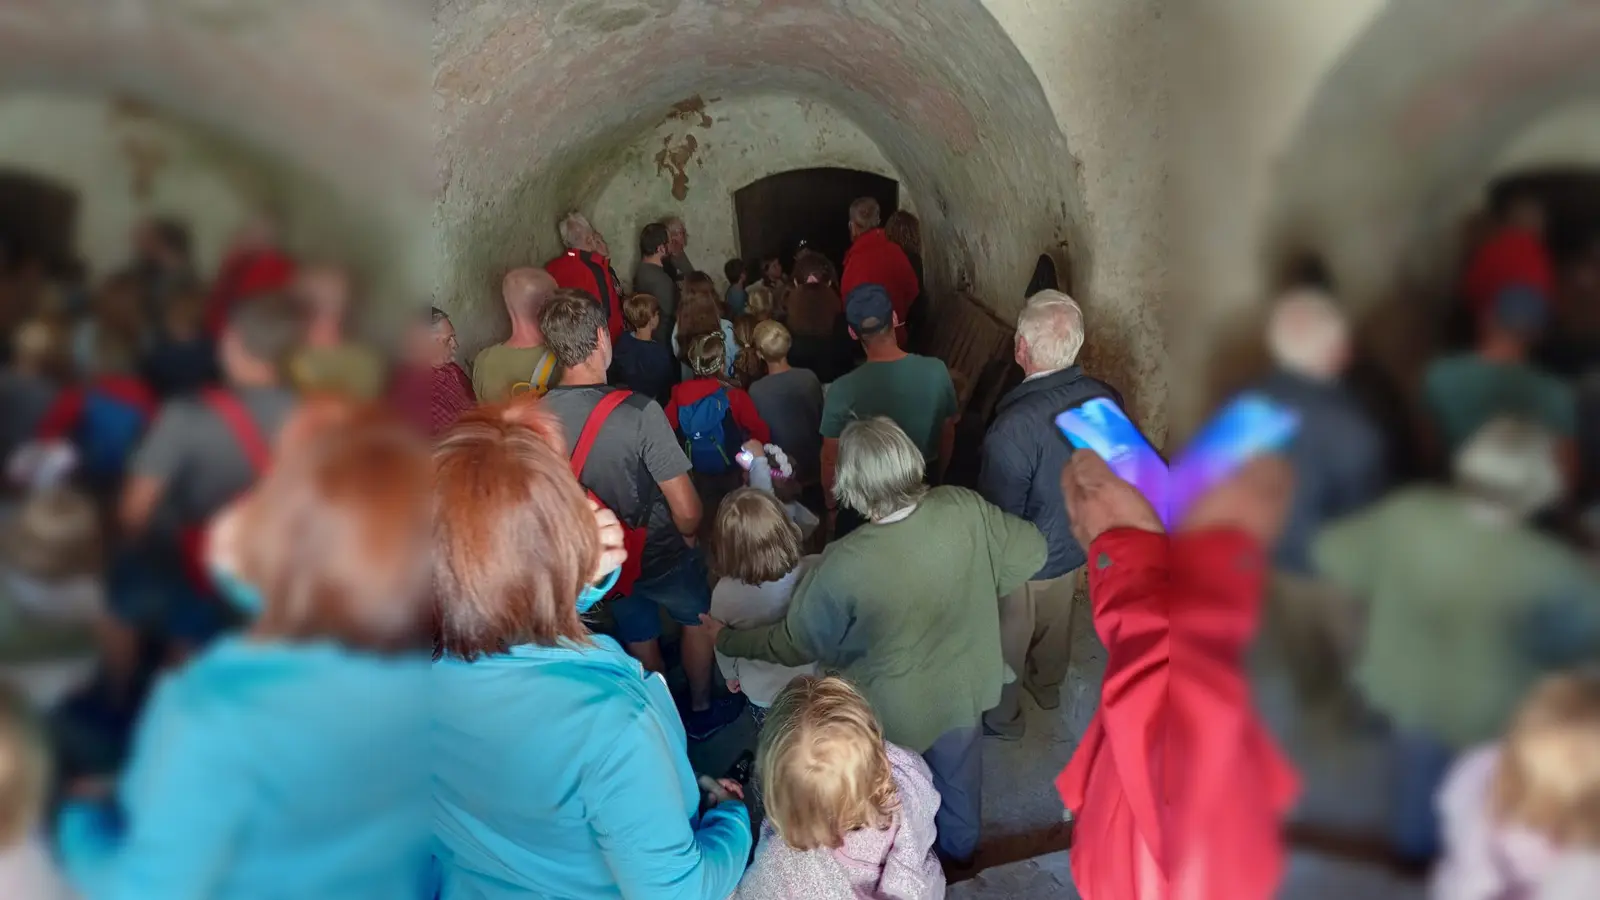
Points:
[[335, 536], [514, 535]]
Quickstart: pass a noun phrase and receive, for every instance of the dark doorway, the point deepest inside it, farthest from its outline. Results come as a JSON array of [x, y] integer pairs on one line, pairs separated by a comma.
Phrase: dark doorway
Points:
[[37, 220], [812, 206]]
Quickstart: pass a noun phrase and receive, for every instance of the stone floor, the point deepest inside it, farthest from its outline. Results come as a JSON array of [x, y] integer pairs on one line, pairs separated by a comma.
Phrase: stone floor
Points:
[[1344, 789], [1310, 877]]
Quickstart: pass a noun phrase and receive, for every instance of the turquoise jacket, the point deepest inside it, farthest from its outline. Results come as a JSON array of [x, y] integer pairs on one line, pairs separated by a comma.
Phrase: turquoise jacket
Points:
[[563, 772], [266, 770]]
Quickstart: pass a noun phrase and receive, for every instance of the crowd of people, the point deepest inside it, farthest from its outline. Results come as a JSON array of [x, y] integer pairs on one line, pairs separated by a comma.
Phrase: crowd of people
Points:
[[307, 619]]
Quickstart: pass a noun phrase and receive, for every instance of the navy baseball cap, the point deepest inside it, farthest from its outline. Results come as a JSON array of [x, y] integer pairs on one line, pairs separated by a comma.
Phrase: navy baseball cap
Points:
[[868, 309], [1521, 309]]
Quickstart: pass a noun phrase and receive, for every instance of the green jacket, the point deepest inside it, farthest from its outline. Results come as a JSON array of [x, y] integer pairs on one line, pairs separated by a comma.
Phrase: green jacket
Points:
[[909, 612], [1464, 614]]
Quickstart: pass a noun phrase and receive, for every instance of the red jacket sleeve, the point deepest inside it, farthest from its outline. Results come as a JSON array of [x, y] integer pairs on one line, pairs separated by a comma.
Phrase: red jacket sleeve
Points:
[[1228, 798], [746, 416], [1176, 785]]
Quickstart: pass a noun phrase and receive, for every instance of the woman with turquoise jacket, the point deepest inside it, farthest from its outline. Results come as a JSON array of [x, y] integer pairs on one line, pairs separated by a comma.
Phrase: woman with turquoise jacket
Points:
[[287, 761], [560, 766]]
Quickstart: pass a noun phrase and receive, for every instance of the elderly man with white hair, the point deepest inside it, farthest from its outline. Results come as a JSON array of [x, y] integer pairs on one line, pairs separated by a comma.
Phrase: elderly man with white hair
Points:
[[1022, 459], [1338, 457], [586, 266], [678, 265], [904, 608], [1467, 604]]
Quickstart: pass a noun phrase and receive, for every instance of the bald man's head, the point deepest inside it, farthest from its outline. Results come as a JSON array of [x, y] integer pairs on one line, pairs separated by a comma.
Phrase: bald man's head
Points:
[[324, 288], [526, 291]]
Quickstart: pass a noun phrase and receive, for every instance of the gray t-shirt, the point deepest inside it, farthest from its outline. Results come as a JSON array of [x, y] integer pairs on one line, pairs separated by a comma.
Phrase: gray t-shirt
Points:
[[791, 405], [651, 279], [197, 457], [635, 452]]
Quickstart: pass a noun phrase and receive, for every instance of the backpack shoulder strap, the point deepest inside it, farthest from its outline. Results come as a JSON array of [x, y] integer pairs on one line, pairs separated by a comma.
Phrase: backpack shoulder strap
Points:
[[542, 371], [591, 428], [239, 422]]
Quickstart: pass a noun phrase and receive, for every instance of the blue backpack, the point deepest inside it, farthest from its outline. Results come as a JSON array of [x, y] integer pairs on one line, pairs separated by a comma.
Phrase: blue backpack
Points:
[[108, 433], [706, 432]]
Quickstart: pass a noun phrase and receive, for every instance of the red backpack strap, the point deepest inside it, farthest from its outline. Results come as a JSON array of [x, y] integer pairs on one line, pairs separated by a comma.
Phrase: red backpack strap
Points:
[[244, 429], [591, 428]]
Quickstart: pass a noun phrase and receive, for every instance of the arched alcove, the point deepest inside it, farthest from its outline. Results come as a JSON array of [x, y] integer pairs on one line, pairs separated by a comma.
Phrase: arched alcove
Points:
[[37, 219], [780, 212]]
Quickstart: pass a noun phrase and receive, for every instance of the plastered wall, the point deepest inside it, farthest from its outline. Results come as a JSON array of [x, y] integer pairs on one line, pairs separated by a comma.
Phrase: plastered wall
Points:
[[691, 164], [124, 165]]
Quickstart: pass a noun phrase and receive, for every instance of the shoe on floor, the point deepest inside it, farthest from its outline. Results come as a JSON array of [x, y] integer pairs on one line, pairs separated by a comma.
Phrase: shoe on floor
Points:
[[722, 712], [1000, 735], [1047, 699]]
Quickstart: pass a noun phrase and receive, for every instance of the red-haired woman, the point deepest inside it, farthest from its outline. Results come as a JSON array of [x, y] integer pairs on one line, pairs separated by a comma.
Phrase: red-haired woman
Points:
[[287, 761], [560, 765]]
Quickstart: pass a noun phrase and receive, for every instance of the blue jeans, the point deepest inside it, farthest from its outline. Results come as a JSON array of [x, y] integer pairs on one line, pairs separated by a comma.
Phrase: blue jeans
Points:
[[1419, 763], [956, 761]]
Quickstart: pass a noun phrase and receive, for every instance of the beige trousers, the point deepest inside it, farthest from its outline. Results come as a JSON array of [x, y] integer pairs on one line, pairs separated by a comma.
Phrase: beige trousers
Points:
[[1316, 629], [1036, 642]]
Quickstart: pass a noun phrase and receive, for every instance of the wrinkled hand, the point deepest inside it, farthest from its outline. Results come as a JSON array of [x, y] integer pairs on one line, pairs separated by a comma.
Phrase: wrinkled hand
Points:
[[1255, 501], [712, 626], [1098, 500], [612, 552]]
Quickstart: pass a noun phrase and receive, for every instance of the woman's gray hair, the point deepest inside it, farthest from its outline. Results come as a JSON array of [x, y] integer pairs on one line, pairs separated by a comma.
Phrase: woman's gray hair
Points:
[[880, 469], [1052, 324], [1512, 463]]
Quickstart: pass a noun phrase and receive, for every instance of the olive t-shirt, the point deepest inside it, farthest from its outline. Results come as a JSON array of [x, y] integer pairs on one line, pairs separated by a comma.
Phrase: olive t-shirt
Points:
[[351, 370], [915, 391], [501, 372]]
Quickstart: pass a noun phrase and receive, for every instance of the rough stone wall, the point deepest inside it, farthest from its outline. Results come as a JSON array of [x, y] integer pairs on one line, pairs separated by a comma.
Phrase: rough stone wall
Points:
[[706, 149], [318, 104], [123, 164]]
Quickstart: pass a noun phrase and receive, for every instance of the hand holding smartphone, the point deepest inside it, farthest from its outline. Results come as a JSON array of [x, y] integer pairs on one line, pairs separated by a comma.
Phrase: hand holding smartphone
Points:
[[1250, 425]]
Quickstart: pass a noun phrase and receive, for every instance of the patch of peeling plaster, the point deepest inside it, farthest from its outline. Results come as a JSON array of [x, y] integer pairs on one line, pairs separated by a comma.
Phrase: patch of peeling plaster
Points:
[[674, 160], [693, 111]]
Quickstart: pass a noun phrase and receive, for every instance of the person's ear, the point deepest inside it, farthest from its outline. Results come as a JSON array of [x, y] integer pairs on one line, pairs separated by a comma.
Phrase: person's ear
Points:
[[853, 335], [1020, 351]]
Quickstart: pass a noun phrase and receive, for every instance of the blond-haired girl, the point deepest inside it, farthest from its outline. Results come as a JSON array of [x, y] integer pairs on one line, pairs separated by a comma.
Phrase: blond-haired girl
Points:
[[849, 815], [1522, 817]]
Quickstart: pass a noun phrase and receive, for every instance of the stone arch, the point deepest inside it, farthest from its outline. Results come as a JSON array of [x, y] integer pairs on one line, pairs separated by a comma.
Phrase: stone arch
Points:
[[537, 98]]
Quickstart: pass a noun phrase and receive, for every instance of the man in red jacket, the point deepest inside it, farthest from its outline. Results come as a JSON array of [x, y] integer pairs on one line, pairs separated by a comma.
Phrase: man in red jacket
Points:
[[1513, 256], [1177, 791], [253, 265], [586, 266], [874, 259]]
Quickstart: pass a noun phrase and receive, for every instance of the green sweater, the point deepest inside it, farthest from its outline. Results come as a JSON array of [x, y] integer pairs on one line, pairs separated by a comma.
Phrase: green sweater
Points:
[[909, 612], [1463, 615]]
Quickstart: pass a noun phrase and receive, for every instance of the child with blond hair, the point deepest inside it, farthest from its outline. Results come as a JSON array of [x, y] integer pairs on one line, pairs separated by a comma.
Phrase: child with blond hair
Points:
[[26, 870], [1522, 817], [849, 815], [757, 557]]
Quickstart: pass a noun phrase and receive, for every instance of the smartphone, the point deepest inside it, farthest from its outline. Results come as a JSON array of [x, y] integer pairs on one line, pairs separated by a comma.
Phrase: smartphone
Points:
[[1249, 426], [1101, 427]]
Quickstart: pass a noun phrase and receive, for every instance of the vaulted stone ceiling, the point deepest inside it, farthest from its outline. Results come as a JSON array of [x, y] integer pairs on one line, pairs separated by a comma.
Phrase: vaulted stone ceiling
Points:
[[534, 96]]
